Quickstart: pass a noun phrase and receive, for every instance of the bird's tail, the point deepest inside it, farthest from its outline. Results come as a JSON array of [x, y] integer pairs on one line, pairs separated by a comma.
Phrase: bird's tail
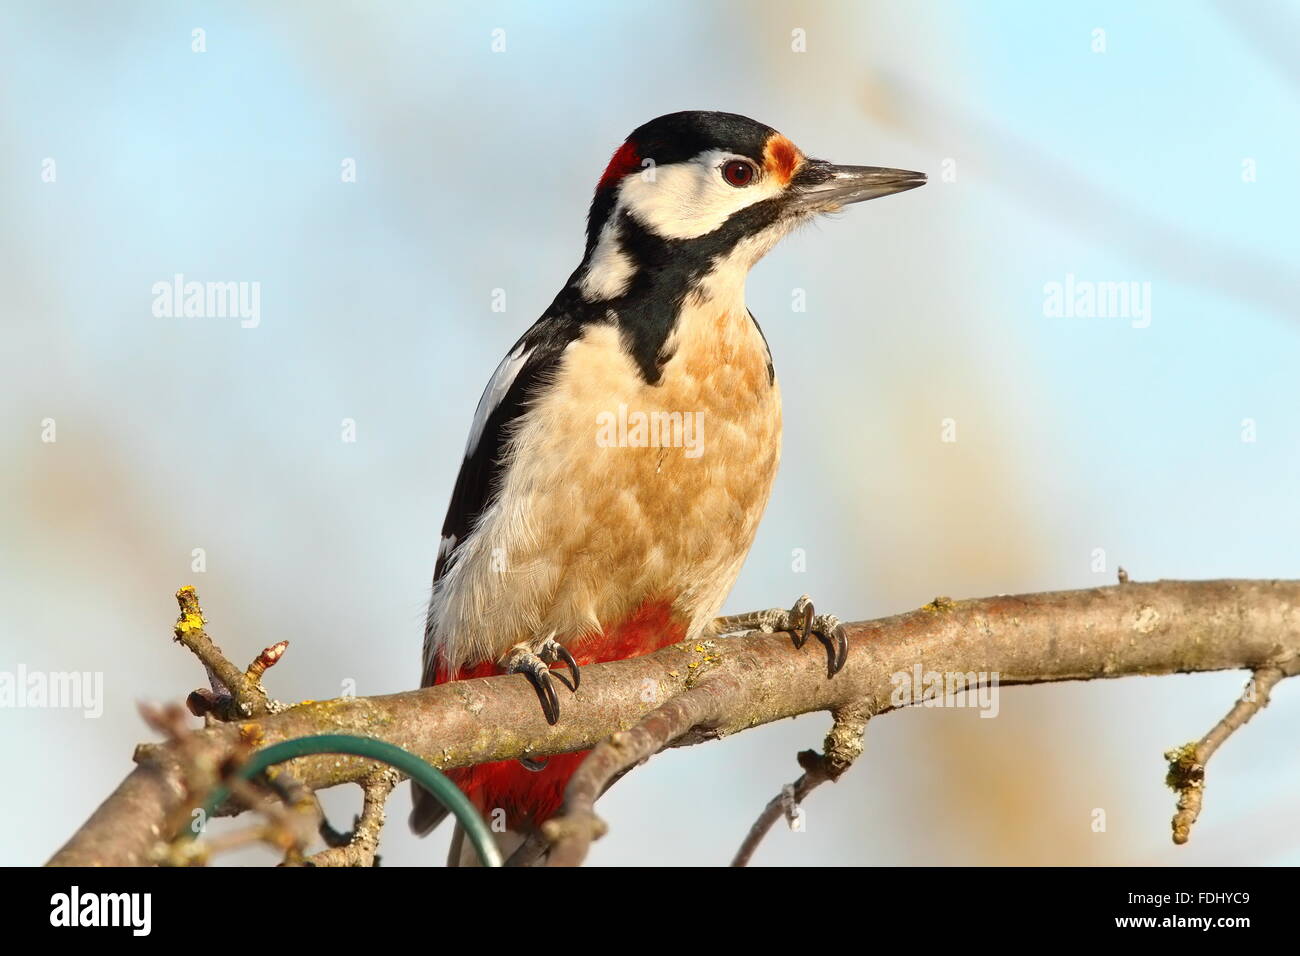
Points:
[[462, 852], [427, 810]]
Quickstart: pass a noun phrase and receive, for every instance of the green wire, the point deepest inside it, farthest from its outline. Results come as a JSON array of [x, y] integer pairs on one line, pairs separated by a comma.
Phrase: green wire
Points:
[[423, 773]]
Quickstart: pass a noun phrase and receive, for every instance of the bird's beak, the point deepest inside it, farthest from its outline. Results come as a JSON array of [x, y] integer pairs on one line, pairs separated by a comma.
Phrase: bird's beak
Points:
[[825, 187]]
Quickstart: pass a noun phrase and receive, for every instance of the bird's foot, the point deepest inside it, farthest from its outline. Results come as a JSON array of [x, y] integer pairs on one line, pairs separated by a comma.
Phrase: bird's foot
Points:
[[533, 661], [800, 621]]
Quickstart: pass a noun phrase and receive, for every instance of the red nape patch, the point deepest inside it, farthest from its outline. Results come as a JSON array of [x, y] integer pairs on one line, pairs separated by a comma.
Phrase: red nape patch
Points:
[[625, 161], [529, 797]]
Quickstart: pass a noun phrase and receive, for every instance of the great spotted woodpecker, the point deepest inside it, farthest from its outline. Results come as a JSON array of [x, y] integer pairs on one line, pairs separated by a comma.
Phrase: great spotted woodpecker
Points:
[[623, 452]]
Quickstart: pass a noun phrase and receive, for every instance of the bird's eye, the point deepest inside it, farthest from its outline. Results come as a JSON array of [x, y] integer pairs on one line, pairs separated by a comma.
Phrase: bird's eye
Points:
[[738, 173]]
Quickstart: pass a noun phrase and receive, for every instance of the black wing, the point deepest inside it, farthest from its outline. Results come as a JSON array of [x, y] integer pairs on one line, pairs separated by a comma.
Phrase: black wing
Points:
[[538, 355]]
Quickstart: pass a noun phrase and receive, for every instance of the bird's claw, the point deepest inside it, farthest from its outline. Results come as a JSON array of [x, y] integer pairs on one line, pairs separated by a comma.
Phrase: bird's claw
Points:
[[562, 653], [534, 663], [800, 621], [803, 620]]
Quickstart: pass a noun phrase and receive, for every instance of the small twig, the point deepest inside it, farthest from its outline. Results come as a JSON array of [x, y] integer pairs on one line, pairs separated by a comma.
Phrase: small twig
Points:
[[247, 699], [291, 816], [290, 827], [363, 842], [783, 804], [265, 660], [201, 852], [201, 772], [843, 745], [1187, 763], [571, 833]]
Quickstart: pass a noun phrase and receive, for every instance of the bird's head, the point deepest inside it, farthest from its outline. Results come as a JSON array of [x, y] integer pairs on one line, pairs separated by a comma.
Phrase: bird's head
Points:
[[713, 190]]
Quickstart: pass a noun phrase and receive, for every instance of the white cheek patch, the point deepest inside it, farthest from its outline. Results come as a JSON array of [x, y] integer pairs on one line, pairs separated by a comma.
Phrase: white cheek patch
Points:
[[496, 390], [611, 269], [691, 199]]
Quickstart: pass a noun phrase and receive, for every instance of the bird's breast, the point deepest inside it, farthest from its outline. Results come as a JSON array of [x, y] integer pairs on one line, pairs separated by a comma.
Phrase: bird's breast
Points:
[[620, 494]]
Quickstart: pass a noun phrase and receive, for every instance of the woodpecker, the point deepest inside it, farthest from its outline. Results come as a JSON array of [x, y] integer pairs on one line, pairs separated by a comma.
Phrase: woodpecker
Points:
[[623, 452]]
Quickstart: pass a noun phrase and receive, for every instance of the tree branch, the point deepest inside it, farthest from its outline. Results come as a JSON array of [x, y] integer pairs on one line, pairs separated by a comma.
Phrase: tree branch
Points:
[[571, 833], [1187, 763], [843, 746], [362, 847], [240, 690], [1131, 629]]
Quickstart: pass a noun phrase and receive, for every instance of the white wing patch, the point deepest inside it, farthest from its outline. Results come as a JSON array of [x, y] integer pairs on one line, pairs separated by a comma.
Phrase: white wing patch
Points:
[[495, 392]]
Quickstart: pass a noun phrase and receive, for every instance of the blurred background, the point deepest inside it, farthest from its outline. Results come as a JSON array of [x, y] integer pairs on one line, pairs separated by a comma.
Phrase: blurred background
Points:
[[1109, 142]]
